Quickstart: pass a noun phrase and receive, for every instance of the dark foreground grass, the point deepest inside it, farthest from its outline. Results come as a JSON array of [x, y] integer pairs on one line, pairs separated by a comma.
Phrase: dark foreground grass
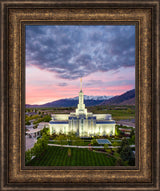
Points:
[[57, 156]]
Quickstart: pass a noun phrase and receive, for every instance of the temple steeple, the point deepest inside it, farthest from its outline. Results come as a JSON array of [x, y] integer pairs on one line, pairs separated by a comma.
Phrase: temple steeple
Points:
[[81, 106], [81, 83]]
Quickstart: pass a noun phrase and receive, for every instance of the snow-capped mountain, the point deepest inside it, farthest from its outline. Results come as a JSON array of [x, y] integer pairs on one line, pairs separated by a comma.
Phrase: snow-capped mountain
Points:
[[86, 97], [128, 98]]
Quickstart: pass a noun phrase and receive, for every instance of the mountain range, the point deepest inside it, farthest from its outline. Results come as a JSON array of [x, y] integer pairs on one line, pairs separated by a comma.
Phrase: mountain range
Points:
[[128, 98], [86, 97]]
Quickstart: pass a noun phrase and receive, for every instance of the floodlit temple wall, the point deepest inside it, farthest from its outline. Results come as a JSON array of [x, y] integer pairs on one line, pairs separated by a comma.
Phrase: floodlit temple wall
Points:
[[105, 129], [59, 128], [103, 116], [60, 117], [81, 122], [83, 127]]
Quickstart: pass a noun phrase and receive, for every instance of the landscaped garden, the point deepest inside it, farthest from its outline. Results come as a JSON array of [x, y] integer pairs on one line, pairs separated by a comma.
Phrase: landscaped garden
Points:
[[57, 156], [69, 150]]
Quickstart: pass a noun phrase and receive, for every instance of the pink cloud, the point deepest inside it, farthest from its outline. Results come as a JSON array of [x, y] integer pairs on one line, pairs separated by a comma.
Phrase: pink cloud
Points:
[[44, 86]]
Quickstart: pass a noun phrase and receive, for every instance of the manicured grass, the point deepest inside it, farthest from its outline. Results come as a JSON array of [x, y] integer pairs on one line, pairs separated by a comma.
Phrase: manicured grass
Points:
[[57, 156], [78, 143]]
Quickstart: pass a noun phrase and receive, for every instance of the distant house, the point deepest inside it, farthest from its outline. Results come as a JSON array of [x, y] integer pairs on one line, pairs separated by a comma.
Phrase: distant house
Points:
[[33, 133], [41, 125], [126, 131], [30, 113]]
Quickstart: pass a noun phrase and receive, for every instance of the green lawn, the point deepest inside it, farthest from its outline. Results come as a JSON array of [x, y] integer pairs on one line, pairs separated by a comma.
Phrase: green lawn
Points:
[[57, 156], [78, 143]]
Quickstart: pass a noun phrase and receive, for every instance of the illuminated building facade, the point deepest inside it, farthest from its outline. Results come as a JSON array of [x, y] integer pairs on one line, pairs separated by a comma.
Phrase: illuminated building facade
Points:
[[81, 122]]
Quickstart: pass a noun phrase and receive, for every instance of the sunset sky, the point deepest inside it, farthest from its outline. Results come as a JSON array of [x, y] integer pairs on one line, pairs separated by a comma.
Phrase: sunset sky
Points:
[[58, 56]]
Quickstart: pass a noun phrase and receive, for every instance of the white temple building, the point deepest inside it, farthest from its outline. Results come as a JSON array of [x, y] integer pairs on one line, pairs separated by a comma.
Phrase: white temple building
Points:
[[81, 122]]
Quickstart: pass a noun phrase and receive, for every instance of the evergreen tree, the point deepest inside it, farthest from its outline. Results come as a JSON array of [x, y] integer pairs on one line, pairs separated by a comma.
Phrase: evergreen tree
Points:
[[126, 152]]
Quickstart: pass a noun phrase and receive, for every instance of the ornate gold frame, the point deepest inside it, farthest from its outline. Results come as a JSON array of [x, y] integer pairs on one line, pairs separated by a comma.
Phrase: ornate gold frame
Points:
[[14, 16]]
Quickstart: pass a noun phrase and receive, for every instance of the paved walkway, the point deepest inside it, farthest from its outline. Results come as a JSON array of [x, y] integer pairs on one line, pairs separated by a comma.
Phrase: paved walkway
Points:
[[85, 147], [30, 142]]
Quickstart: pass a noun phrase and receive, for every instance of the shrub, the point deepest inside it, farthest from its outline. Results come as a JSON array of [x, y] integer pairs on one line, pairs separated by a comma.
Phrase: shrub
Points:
[[28, 156], [94, 142], [27, 123], [108, 150]]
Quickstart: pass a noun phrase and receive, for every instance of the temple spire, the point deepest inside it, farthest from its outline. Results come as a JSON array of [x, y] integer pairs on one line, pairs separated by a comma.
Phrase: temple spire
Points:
[[81, 83], [81, 106]]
